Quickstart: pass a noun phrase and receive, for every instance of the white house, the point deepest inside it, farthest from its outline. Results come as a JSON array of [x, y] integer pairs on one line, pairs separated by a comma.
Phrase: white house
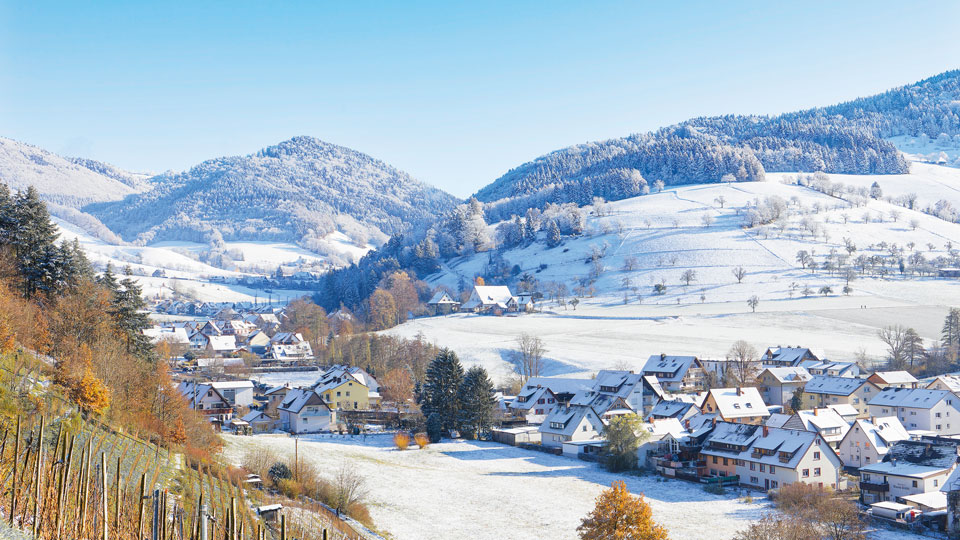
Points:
[[825, 421], [486, 298], [950, 383], [236, 393], [833, 369], [778, 384], [786, 356], [304, 411], [572, 423], [868, 441], [893, 379], [779, 457], [676, 373], [919, 409], [909, 468], [205, 399]]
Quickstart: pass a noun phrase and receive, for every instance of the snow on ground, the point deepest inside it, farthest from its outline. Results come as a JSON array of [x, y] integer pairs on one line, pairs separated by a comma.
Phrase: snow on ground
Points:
[[666, 234], [483, 490]]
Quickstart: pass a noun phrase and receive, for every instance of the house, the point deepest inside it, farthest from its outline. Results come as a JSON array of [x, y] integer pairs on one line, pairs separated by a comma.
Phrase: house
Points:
[[219, 345], [723, 447], [570, 423], [663, 436], [258, 342], [834, 369], [825, 390], [207, 400], [778, 457], [951, 487], [517, 435], [167, 334], [259, 421], [778, 384], [612, 389], [525, 303], [289, 352], [919, 409], [950, 383], [563, 388], [676, 373], [348, 387], [736, 405], [235, 393], [488, 299], [786, 356], [304, 411], [867, 441], [443, 304], [848, 412], [827, 422], [276, 395], [909, 468], [893, 379], [680, 410], [534, 404]]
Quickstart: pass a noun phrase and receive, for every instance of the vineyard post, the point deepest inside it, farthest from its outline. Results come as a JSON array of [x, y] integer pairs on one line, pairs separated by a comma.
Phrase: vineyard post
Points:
[[103, 495], [143, 480], [36, 500], [116, 500], [156, 515], [13, 486], [203, 522]]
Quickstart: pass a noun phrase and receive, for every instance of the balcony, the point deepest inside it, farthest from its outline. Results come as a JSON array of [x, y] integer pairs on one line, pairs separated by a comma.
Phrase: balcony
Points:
[[874, 486]]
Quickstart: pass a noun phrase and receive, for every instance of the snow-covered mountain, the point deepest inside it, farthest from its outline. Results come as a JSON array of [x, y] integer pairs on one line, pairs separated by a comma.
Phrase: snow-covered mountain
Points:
[[301, 190], [855, 137], [65, 181]]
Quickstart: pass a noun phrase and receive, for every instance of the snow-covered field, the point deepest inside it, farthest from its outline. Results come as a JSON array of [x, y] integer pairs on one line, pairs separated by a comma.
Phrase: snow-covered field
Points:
[[482, 490], [665, 233]]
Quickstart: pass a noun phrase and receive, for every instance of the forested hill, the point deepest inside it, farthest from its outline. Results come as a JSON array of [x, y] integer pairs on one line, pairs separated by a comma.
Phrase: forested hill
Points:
[[844, 138], [299, 190]]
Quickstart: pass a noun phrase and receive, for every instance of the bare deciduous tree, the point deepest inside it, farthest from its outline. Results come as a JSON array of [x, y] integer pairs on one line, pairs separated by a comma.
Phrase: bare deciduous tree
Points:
[[895, 338], [349, 488], [739, 273], [530, 351], [743, 361], [688, 276], [753, 302]]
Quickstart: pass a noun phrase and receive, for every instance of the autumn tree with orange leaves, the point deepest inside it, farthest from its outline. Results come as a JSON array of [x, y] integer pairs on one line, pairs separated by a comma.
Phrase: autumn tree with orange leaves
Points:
[[619, 515]]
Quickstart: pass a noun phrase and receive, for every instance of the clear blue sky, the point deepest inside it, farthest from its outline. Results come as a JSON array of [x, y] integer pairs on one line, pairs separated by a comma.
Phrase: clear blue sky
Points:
[[455, 94]]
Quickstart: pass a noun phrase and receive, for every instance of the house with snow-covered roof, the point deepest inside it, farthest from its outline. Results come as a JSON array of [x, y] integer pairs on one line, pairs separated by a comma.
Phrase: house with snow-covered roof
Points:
[[867, 441], [676, 373], [778, 384], [779, 457], [489, 299], [723, 446], [826, 390], [833, 369], [304, 411], [563, 388], [219, 345], [207, 400], [737, 405], [950, 383], [919, 409], [259, 421], [909, 468], [570, 423], [786, 356], [680, 410], [441, 303], [893, 379], [825, 421], [533, 404]]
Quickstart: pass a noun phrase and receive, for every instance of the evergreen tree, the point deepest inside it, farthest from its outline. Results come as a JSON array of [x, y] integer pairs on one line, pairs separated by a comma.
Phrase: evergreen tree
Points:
[[130, 315], [441, 388], [950, 335], [553, 234], [477, 403], [32, 239]]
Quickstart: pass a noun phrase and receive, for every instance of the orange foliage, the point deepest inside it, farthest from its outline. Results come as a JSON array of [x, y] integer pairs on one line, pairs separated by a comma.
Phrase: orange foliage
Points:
[[422, 440], [402, 440], [618, 515]]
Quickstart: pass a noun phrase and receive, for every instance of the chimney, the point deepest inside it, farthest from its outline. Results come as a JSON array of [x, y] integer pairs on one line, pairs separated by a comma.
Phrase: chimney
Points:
[[766, 430], [816, 412], [739, 391], [686, 423], [713, 421], [663, 356]]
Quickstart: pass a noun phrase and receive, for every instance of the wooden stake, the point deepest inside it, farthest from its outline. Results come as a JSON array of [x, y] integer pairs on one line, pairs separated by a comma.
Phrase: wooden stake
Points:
[[103, 495], [196, 527], [233, 518], [283, 527], [39, 469], [116, 501], [143, 481], [13, 485]]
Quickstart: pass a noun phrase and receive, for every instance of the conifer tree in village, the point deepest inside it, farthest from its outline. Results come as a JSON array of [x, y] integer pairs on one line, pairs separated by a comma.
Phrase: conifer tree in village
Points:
[[477, 403], [950, 335], [441, 389]]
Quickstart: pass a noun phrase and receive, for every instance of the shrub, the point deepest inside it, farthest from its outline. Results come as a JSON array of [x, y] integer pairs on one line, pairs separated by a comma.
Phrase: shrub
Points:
[[422, 440], [434, 427], [402, 440], [716, 489], [290, 487], [279, 471]]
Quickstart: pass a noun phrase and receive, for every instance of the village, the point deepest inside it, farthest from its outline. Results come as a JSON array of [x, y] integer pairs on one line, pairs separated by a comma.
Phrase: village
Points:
[[885, 436]]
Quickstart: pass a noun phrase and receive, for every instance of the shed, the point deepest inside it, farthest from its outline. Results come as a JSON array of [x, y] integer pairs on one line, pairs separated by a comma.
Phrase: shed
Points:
[[515, 436]]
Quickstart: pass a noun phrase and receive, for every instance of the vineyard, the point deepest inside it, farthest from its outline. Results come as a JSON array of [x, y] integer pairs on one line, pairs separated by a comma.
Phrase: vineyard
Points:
[[65, 474]]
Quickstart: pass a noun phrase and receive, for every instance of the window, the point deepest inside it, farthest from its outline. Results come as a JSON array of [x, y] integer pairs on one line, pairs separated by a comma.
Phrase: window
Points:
[[816, 471], [725, 461], [338, 394], [816, 456], [763, 468], [753, 466], [773, 484], [938, 415], [938, 427], [772, 470], [584, 428], [935, 482], [914, 483], [806, 473], [540, 401], [714, 460], [348, 393], [754, 480], [856, 401]]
